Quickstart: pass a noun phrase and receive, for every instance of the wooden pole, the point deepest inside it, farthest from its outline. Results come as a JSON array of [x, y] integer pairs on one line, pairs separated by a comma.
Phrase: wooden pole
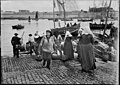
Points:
[[64, 14], [21, 40], [54, 13], [106, 19], [22, 34]]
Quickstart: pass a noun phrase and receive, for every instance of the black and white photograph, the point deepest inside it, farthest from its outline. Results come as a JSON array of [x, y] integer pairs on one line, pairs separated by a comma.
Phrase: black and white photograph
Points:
[[59, 42]]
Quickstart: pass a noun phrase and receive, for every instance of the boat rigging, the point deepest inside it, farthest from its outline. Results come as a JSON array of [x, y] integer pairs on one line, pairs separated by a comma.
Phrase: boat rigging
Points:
[[62, 10]]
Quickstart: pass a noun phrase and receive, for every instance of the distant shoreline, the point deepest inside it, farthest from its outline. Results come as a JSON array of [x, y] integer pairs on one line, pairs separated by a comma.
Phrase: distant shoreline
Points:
[[45, 15], [10, 18]]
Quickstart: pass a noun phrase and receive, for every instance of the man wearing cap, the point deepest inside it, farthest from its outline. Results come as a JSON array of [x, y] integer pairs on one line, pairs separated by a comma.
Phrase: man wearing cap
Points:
[[15, 43]]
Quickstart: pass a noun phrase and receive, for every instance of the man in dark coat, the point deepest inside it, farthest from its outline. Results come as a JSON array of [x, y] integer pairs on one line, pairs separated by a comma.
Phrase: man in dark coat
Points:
[[15, 43]]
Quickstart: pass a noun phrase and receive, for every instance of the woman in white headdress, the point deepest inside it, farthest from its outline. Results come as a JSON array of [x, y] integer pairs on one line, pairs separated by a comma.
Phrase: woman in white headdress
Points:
[[85, 50], [68, 47], [37, 40]]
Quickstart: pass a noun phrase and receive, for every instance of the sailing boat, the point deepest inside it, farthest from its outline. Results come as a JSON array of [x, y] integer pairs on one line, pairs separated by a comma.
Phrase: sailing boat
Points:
[[53, 19], [36, 16], [68, 19], [62, 8], [95, 26], [29, 19], [104, 42], [18, 27]]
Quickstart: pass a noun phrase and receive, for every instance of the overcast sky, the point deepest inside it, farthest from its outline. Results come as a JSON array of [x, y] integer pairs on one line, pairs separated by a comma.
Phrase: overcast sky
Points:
[[47, 5]]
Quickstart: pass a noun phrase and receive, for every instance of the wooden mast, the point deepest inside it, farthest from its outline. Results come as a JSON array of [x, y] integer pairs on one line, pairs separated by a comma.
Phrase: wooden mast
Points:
[[101, 13], [106, 19], [54, 13], [94, 13], [63, 7], [64, 13]]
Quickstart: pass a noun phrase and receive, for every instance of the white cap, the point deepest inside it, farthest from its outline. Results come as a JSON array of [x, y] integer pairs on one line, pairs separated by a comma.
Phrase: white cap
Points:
[[86, 30], [36, 36], [68, 34], [80, 29]]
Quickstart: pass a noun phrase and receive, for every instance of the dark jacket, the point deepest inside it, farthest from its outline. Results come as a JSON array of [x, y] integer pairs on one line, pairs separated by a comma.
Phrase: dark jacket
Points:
[[15, 40]]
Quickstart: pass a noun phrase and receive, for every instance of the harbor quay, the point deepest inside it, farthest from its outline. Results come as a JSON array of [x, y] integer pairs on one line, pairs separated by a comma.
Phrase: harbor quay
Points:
[[44, 16], [26, 70], [49, 15], [58, 42]]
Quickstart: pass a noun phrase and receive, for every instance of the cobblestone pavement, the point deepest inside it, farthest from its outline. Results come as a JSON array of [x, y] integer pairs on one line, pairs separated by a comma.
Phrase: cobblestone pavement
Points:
[[26, 70]]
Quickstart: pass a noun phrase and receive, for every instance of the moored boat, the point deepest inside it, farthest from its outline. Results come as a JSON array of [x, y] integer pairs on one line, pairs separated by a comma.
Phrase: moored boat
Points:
[[95, 26], [53, 19], [17, 27], [64, 29], [63, 16], [103, 11], [67, 19], [85, 20]]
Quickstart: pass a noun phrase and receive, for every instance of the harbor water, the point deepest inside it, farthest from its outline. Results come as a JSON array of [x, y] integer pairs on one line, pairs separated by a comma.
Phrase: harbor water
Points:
[[29, 27]]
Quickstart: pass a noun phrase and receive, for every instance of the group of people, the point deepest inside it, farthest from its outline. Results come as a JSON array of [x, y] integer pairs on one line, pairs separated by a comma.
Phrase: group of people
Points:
[[50, 44], [31, 44]]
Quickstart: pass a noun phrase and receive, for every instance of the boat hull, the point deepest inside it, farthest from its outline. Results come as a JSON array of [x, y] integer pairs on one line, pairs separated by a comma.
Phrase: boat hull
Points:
[[84, 20], [62, 30], [99, 26], [56, 19], [18, 27], [53, 19], [69, 19], [100, 52]]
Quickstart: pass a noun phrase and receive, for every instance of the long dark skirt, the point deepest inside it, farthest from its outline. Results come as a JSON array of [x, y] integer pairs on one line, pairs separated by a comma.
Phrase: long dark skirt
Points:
[[68, 50], [46, 55], [36, 45], [86, 56]]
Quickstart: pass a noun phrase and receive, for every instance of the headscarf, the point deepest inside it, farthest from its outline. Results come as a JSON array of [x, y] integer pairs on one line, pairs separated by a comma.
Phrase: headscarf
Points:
[[68, 34], [36, 35], [80, 30], [85, 30]]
